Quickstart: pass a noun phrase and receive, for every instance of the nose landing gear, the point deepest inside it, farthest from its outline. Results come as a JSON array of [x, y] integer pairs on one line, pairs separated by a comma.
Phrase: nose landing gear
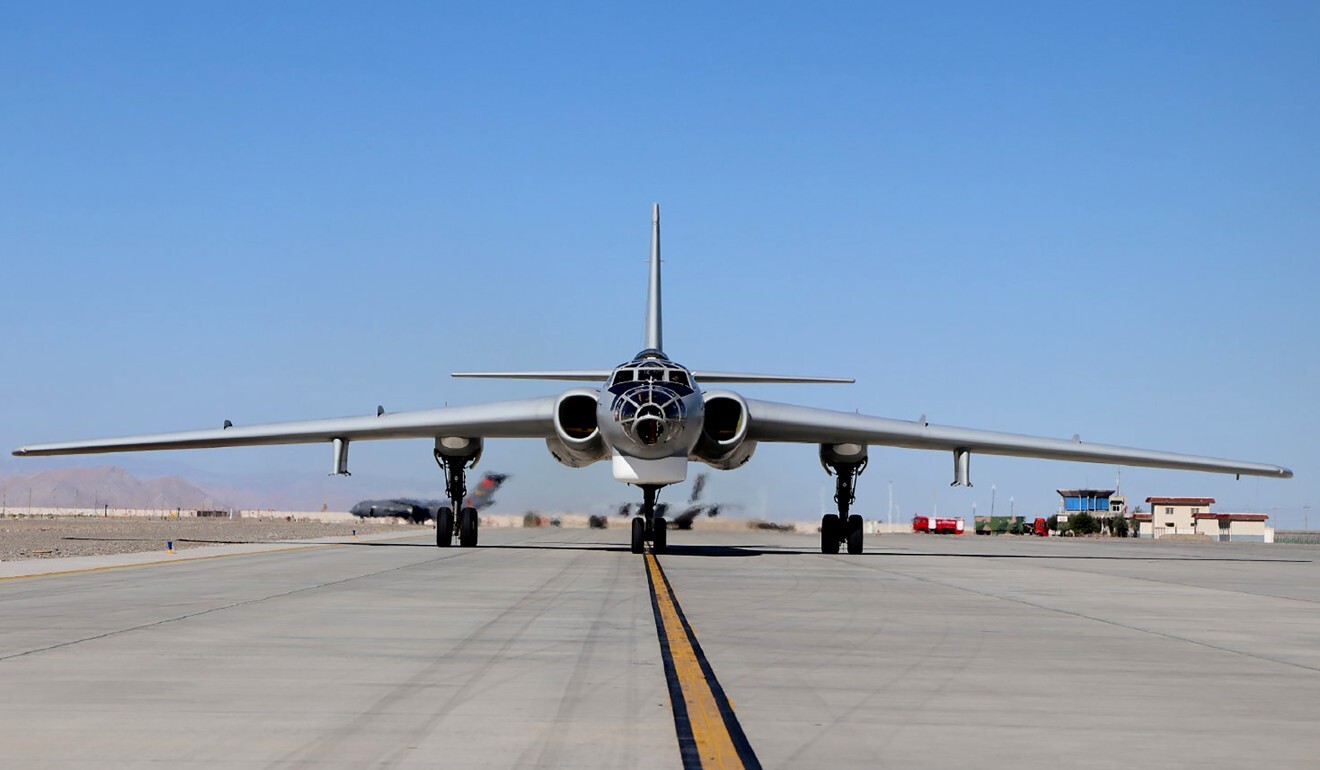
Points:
[[649, 524]]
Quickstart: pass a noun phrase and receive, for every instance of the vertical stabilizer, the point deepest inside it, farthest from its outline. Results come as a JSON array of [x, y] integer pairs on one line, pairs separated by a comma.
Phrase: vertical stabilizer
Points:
[[653, 338]]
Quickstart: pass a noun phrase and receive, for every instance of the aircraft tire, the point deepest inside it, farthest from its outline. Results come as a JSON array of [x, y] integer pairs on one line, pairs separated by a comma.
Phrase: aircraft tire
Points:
[[829, 533], [444, 527], [660, 537], [638, 534], [854, 534], [467, 528]]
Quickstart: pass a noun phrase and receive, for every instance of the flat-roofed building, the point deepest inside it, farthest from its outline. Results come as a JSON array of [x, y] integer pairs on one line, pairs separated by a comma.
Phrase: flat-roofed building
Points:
[[1104, 504], [1100, 503], [1235, 527], [1092, 501], [1172, 516]]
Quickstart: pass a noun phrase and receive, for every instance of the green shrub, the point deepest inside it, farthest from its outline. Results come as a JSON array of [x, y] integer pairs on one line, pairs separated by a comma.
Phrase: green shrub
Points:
[[1084, 524]]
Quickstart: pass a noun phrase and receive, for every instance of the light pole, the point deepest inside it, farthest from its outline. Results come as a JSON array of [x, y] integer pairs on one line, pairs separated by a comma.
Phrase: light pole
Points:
[[1306, 517], [992, 501], [891, 504]]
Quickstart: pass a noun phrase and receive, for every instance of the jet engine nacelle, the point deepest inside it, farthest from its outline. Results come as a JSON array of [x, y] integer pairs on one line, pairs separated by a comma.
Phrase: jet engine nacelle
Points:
[[723, 443], [577, 442], [459, 448], [832, 455]]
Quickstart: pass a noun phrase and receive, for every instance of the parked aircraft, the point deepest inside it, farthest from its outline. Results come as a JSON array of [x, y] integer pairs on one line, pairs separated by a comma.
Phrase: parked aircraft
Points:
[[649, 417], [420, 511]]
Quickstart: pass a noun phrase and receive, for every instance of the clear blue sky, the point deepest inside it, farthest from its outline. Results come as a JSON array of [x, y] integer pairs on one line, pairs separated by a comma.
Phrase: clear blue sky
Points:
[[1031, 217]]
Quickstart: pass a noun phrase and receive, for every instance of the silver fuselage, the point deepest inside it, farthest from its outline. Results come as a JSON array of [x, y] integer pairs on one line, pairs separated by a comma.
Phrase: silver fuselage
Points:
[[650, 415]]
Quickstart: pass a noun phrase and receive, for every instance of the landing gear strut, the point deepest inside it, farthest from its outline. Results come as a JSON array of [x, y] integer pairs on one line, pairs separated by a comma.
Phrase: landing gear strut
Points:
[[466, 521], [842, 528], [649, 524]]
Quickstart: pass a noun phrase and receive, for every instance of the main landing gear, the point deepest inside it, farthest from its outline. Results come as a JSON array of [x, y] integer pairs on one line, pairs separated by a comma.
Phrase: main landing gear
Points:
[[455, 469], [648, 524], [842, 528]]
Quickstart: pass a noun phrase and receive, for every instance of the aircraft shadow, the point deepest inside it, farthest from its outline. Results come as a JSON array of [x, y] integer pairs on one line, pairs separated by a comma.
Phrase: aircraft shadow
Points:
[[715, 551], [674, 549], [498, 546], [239, 542], [559, 546], [680, 549], [751, 550], [1075, 557]]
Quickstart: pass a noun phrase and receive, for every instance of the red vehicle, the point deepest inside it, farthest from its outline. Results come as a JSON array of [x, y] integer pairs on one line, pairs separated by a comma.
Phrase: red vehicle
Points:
[[937, 526], [1039, 529]]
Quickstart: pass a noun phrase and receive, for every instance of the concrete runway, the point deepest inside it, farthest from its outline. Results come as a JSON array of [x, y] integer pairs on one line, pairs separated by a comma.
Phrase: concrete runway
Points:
[[540, 649]]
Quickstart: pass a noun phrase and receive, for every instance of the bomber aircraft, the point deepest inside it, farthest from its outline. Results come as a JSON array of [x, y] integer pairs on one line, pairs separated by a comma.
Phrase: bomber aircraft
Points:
[[649, 417], [421, 511]]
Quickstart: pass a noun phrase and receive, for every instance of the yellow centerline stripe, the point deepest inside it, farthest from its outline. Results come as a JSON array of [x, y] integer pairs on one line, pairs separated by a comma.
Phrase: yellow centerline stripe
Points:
[[714, 743]]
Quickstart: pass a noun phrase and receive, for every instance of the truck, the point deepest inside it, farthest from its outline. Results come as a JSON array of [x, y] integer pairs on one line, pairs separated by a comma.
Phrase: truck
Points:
[[938, 526], [1010, 525]]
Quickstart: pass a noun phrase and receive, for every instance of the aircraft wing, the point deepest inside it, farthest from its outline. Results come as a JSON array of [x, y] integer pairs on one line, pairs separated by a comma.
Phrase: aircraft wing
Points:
[[530, 418], [701, 375], [768, 421]]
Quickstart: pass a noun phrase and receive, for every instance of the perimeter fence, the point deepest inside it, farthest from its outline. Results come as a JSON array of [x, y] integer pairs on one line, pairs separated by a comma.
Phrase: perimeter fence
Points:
[[1297, 536]]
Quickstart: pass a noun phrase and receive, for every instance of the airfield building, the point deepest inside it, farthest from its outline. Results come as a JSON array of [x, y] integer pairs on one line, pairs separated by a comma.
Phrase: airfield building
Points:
[[1172, 516], [1192, 516], [1100, 503], [1235, 527]]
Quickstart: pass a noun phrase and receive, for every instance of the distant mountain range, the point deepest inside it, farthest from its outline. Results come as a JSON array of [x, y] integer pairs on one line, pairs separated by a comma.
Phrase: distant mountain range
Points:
[[98, 487], [116, 487], [113, 486]]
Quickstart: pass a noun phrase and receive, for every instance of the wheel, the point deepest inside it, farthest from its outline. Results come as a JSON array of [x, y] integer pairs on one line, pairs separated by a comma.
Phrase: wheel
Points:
[[829, 533], [444, 526], [854, 537], [660, 537], [638, 535], [467, 527]]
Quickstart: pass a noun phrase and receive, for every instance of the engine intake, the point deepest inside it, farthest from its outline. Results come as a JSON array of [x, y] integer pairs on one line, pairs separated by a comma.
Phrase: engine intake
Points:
[[723, 443], [577, 442]]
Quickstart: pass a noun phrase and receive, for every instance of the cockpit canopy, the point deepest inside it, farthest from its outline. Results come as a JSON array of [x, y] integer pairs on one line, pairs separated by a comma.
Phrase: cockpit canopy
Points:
[[651, 370]]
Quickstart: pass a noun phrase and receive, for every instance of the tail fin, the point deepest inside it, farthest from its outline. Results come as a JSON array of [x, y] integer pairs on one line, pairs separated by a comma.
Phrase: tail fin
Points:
[[653, 336]]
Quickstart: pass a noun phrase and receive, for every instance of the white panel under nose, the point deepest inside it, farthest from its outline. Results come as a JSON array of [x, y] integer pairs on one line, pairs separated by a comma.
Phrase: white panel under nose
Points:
[[634, 470]]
